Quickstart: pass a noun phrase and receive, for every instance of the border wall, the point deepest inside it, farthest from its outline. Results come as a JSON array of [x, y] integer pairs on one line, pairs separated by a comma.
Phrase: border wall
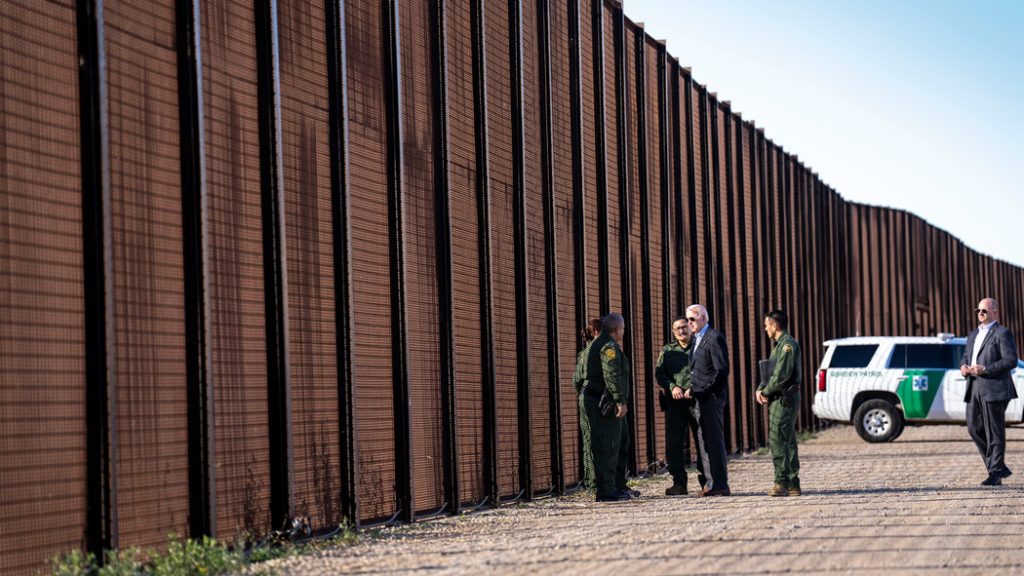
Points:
[[292, 259]]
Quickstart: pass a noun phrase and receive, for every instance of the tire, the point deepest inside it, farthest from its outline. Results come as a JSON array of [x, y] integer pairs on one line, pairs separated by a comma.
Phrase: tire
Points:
[[878, 420]]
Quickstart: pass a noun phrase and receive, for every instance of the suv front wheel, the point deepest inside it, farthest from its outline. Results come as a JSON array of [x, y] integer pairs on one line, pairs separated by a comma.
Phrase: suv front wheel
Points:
[[878, 420]]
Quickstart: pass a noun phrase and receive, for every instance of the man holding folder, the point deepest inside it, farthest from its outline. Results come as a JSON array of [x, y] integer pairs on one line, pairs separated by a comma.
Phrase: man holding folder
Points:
[[780, 390]]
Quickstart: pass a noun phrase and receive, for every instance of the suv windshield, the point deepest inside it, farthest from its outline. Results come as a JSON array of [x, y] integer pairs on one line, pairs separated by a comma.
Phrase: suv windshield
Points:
[[852, 355]]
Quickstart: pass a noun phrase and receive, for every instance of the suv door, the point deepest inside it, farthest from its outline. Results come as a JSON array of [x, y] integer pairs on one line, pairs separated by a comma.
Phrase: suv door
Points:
[[1015, 409], [954, 392], [956, 387], [925, 387]]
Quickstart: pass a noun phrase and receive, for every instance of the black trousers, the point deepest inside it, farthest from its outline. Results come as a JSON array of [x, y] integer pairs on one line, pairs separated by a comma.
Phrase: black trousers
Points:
[[680, 424], [986, 423], [711, 441]]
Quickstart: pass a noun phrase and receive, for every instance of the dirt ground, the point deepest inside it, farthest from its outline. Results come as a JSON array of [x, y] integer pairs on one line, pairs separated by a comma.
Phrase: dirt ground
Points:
[[912, 506]]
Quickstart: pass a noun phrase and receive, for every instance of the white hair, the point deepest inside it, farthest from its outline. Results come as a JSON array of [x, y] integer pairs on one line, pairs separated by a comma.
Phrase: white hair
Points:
[[700, 309]]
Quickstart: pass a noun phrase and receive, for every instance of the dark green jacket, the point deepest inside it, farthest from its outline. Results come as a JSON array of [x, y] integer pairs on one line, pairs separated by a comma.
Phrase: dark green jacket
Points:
[[580, 376], [786, 354], [673, 367], [608, 367]]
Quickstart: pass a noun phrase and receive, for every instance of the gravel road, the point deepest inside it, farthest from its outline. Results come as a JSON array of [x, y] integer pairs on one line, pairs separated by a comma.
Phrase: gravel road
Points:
[[912, 506]]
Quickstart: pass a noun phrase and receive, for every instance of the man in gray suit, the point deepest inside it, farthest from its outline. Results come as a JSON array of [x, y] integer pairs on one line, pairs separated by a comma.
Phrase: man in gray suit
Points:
[[709, 371], [990, 356]]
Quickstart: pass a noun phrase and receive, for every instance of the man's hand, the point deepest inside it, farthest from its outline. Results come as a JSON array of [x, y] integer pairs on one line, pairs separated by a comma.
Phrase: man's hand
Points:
[[965, 370], [977, 370], [688, 394], [677, 393], [621, 411], [761, 398]]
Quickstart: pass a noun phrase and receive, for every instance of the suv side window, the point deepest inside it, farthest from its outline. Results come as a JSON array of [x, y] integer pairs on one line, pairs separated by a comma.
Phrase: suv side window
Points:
[[925, 356], [853, 356]]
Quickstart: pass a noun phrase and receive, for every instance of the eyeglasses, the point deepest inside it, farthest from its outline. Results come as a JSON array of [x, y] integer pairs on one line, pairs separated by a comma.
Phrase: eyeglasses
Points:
[[688, 319], [983, 311], [678, 328]]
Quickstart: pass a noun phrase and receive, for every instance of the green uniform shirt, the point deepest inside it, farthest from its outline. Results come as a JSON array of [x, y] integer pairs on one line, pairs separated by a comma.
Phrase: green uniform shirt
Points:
[[786, 354], [607, 364], [579, 378], [673, 367]]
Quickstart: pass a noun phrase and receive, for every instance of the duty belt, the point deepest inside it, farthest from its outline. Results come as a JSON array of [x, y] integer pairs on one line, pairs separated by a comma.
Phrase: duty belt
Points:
[[594, 389]]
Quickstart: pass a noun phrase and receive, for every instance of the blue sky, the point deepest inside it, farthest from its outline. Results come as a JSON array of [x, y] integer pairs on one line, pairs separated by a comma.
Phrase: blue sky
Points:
[[912, 104]]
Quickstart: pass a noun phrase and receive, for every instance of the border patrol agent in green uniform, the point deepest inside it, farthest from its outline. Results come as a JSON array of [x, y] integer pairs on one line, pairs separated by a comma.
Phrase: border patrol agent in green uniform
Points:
[[607, 369], [782, 394], [672, 373], [588, 334]]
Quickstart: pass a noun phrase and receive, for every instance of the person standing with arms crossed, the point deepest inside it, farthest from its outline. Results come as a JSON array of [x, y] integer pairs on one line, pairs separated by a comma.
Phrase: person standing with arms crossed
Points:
[[782, 395], [989, 357], [709, 372], [672, 373]]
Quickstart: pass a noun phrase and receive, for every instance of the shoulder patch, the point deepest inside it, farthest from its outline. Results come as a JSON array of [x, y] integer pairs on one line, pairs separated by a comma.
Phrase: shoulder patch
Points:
[[787, 348], [609, 353]]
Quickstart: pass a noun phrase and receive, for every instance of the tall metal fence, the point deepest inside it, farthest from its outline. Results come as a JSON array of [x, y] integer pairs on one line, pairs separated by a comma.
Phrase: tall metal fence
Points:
[[287, 259]]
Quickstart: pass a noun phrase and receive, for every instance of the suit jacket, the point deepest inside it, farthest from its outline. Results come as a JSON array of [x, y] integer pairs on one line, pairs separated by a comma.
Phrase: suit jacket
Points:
[[998, 355], [709, 366]]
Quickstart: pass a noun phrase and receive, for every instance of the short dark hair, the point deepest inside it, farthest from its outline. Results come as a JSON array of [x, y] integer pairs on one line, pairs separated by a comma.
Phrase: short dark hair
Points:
[[612, 322], [780, 318]]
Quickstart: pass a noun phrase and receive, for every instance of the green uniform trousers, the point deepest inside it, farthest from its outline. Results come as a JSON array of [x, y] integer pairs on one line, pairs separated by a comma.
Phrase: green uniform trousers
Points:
[[623, 456], [680, 423], [605, 438], [782, 439], [588, 456]]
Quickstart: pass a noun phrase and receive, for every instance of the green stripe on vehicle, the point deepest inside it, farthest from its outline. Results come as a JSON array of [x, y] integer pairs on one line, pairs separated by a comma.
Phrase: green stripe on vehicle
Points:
[[917, 391]]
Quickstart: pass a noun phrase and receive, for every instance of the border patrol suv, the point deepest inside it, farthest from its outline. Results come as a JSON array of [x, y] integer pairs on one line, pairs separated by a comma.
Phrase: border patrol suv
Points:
[[881, 383]]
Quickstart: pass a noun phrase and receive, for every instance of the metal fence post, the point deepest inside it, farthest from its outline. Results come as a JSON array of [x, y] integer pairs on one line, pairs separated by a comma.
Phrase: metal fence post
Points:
[[395, 187], [97, 246], [337, 89], [202, 497], [442, 230]]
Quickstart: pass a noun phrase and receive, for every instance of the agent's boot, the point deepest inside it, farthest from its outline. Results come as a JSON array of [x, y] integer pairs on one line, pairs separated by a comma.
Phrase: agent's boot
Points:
[[676, 490]]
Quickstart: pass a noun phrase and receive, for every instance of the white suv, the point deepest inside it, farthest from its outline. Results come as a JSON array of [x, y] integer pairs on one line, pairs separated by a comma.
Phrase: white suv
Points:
[[881, 383]]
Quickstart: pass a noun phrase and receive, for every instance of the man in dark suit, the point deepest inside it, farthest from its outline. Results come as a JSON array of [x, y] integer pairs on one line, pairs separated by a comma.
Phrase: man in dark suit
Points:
[[989, 358], [709, 369]]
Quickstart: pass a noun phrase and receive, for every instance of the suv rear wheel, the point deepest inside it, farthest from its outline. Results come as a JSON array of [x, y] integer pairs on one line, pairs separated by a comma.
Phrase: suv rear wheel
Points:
[[878, 420]]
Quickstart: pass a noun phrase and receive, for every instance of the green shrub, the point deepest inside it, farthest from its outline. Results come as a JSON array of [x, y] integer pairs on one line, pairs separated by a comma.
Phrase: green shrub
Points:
[[203, 556], [200, 557], [74, 563], [122, 563]]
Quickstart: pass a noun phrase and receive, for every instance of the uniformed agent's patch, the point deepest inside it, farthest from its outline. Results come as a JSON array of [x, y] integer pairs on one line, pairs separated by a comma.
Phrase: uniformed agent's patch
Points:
[[610, 353], [787, 348]]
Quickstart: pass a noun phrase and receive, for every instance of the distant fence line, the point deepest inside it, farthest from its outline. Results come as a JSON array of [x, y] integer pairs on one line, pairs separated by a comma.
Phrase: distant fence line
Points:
[[287, 259]]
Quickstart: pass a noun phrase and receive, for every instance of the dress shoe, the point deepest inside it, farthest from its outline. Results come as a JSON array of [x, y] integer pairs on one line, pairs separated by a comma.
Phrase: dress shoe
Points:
[[992, 480], [676, 490], [1004, 473], [795, 491], [631, 493], [613, 498], [707, 493], [778, 490]]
